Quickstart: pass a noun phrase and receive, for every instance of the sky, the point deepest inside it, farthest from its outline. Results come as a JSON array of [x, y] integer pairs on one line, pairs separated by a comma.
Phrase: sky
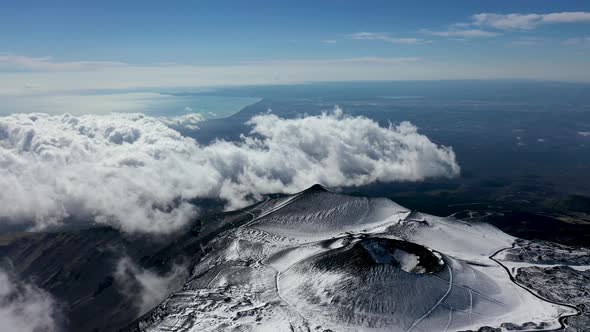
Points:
[[49, 47]]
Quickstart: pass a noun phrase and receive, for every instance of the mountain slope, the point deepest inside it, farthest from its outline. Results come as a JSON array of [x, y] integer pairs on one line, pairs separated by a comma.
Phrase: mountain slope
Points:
[[318, 260]]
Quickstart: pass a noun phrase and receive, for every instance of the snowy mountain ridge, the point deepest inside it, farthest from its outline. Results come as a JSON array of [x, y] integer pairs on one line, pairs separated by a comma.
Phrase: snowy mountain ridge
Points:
[[322, 261]]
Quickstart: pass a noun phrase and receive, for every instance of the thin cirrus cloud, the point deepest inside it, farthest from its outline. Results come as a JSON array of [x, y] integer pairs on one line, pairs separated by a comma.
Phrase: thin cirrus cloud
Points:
[[29, 77], [493, 24], [386, 38], [12, 63], [368, 60], [20, 62], [138, 174], [527, 21], [461, 33]]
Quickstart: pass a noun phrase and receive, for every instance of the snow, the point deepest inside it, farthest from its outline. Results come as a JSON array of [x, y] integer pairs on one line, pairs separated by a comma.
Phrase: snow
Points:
[[316, 260]]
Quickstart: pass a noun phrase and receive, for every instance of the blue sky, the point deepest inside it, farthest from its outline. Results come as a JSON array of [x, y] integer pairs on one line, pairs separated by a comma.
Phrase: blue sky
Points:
[[67, 45]]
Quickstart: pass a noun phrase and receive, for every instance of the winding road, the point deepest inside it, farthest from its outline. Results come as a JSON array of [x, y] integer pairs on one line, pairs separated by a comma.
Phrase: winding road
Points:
[[562, 319]]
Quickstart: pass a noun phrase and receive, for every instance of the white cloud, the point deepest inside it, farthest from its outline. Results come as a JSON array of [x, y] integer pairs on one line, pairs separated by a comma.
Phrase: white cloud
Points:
[[134, 172], [464, 33], [381, 60], [146, 288], [386, 38], [481, 24], [25, 307], [566, 17], [189, 121], [584, 133], [328, 41], [368, 60], [527, 21], [21, 62], [509, 21]]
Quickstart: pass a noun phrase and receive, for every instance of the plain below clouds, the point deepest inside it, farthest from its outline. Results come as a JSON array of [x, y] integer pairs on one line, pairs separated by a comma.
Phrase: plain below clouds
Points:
[[24, 307], [137, 173]]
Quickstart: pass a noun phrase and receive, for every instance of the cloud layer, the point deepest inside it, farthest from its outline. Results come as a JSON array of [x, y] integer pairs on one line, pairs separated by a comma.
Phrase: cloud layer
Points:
[[139, 174], [20, 62], [24, 307]]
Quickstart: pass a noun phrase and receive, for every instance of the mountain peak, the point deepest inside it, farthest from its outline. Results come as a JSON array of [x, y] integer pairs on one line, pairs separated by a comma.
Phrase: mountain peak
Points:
[[316, 188]]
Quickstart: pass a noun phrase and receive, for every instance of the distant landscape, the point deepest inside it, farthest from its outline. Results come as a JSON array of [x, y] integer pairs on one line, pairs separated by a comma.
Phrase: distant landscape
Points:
[[522, 155]]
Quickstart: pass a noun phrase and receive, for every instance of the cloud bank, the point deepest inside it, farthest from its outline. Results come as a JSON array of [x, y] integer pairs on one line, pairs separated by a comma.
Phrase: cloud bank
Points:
[[24, 307], [139, 174]]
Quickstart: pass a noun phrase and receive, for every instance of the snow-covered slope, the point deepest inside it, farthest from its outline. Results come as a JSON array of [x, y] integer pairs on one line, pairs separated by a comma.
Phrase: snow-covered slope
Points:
[[318, 260]]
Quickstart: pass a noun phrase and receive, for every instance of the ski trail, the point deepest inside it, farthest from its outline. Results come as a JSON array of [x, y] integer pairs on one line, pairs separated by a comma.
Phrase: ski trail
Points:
[[470, 304], [449, 321], [437, 303], [475, 292]]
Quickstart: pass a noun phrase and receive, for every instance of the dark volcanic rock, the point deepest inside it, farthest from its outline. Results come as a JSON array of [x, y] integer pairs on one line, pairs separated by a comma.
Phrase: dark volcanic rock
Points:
[[561, 284], [78, 267], [542, 252]]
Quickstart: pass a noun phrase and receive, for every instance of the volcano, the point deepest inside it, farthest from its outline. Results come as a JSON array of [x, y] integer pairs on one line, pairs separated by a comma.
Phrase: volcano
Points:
[[323, 261]]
